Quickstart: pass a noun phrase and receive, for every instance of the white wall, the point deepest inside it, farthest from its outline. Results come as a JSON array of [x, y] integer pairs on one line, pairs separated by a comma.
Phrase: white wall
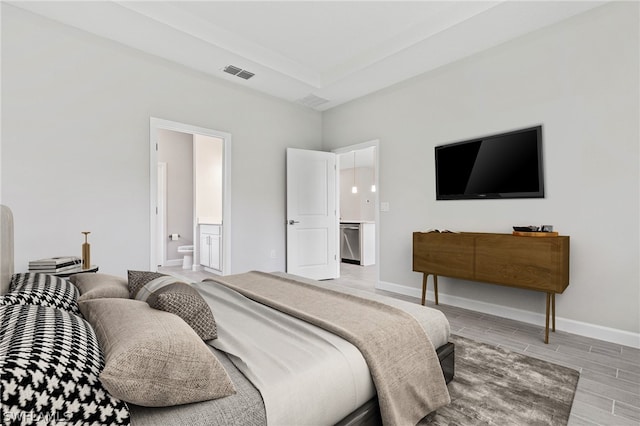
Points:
[[361, 205], [579, 79], [208, 159], [75, 145]]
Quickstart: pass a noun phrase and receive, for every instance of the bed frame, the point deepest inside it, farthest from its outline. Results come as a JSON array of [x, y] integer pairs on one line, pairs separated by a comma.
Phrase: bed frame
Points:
[[6, 248]]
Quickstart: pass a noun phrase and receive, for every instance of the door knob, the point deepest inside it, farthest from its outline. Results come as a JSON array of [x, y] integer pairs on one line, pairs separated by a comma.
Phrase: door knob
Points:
[[291, 221]]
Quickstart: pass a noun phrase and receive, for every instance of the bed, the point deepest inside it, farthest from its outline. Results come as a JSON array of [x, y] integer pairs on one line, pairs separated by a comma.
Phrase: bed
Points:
[[247, 349]]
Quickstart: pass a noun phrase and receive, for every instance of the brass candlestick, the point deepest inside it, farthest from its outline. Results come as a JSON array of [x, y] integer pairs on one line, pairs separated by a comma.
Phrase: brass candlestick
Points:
[[86, 252]]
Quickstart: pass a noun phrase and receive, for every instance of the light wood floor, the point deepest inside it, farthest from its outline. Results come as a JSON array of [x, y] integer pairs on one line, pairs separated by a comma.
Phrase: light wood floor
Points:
[[609, 388]]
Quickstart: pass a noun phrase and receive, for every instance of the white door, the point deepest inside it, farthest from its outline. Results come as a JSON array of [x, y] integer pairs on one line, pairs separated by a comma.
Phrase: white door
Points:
[[312, 219]]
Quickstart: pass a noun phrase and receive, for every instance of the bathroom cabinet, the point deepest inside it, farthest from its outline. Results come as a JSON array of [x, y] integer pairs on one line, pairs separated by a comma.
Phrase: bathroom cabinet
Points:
[[210, 246]]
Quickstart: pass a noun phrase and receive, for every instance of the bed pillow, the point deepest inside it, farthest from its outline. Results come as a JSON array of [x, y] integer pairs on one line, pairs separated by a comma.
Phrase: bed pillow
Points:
[[99, 286], [153, 358], [137, 279], [50, 361], [34, 288], [169, 294]]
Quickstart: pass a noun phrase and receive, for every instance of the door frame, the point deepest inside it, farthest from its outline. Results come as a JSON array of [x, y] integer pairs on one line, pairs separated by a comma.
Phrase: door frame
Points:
[[156, 124], [345, 149], [162, 213]]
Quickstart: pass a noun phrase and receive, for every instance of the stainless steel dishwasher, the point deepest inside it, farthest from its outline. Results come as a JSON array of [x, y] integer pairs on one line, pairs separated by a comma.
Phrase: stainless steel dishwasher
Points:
[[350, 243]]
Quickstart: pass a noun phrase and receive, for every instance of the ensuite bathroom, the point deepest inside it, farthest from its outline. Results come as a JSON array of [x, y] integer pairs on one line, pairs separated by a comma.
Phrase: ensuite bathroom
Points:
[[190, 201]]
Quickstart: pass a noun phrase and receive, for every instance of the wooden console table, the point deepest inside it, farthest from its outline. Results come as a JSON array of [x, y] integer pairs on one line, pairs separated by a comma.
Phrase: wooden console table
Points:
[[533, 263]]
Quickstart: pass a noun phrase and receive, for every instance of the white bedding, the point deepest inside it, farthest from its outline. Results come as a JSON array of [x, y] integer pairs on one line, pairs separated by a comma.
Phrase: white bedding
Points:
[[295, 365]]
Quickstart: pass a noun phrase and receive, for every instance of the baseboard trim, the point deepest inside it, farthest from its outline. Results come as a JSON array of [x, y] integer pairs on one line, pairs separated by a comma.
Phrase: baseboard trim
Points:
[[595, 331]]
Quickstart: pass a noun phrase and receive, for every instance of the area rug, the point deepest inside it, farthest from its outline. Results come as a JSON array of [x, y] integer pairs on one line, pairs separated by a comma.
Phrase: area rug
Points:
[[494, 386]]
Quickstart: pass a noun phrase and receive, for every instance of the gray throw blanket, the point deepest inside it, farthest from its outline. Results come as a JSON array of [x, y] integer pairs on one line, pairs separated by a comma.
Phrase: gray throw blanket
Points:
[[402, 361]]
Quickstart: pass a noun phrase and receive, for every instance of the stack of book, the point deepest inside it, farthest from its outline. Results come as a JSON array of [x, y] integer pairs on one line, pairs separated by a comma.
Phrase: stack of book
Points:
[[54, 265]]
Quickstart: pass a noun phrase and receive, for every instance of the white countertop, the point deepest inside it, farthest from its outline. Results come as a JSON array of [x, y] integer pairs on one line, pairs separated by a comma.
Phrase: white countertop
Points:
[[205, 220], [357, 221]]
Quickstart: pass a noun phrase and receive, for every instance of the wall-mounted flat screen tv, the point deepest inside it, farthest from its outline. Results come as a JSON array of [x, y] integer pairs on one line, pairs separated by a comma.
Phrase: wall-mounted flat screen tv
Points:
[[507, 165]]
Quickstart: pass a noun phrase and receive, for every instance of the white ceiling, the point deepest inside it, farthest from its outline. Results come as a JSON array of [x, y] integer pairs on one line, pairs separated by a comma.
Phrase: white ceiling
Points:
[[314, 50]]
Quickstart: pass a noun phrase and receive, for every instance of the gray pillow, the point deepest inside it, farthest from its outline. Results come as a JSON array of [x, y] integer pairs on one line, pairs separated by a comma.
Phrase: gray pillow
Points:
[[172, 295], [153, 358], [137, 279], [100, 286]]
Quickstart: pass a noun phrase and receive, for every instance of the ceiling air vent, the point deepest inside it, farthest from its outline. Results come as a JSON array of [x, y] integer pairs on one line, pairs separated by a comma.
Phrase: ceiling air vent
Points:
[[238, 72], [312, 100], [245, 74]]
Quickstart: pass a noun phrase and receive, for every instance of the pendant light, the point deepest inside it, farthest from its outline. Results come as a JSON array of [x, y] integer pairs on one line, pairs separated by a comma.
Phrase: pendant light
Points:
[[373, 172], [354, 188]]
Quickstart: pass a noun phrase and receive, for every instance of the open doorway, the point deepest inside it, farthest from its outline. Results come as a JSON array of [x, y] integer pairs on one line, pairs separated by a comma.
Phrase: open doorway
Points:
[[359, 213], [189, 197]]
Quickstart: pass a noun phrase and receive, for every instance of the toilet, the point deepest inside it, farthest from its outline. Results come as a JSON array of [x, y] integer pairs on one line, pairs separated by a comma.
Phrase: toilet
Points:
[[187, 251]]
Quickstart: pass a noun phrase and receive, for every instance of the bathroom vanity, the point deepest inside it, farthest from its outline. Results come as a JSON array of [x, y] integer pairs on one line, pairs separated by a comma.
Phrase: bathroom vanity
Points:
[[211, 247]]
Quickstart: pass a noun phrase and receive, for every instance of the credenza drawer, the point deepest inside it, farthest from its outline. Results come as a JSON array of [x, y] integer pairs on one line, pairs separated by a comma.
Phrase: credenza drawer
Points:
[[444, 254], [525, 262]]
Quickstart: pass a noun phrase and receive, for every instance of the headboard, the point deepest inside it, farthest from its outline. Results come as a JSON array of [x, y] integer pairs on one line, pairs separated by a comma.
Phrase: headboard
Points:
[[6, 248]]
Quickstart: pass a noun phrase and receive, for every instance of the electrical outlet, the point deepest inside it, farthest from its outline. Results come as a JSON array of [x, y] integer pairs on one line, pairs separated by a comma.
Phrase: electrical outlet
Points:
[[273, 254], [384, 206]]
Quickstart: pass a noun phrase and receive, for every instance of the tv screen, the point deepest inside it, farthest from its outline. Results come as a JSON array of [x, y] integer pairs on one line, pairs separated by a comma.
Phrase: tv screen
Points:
[[507, 165]]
